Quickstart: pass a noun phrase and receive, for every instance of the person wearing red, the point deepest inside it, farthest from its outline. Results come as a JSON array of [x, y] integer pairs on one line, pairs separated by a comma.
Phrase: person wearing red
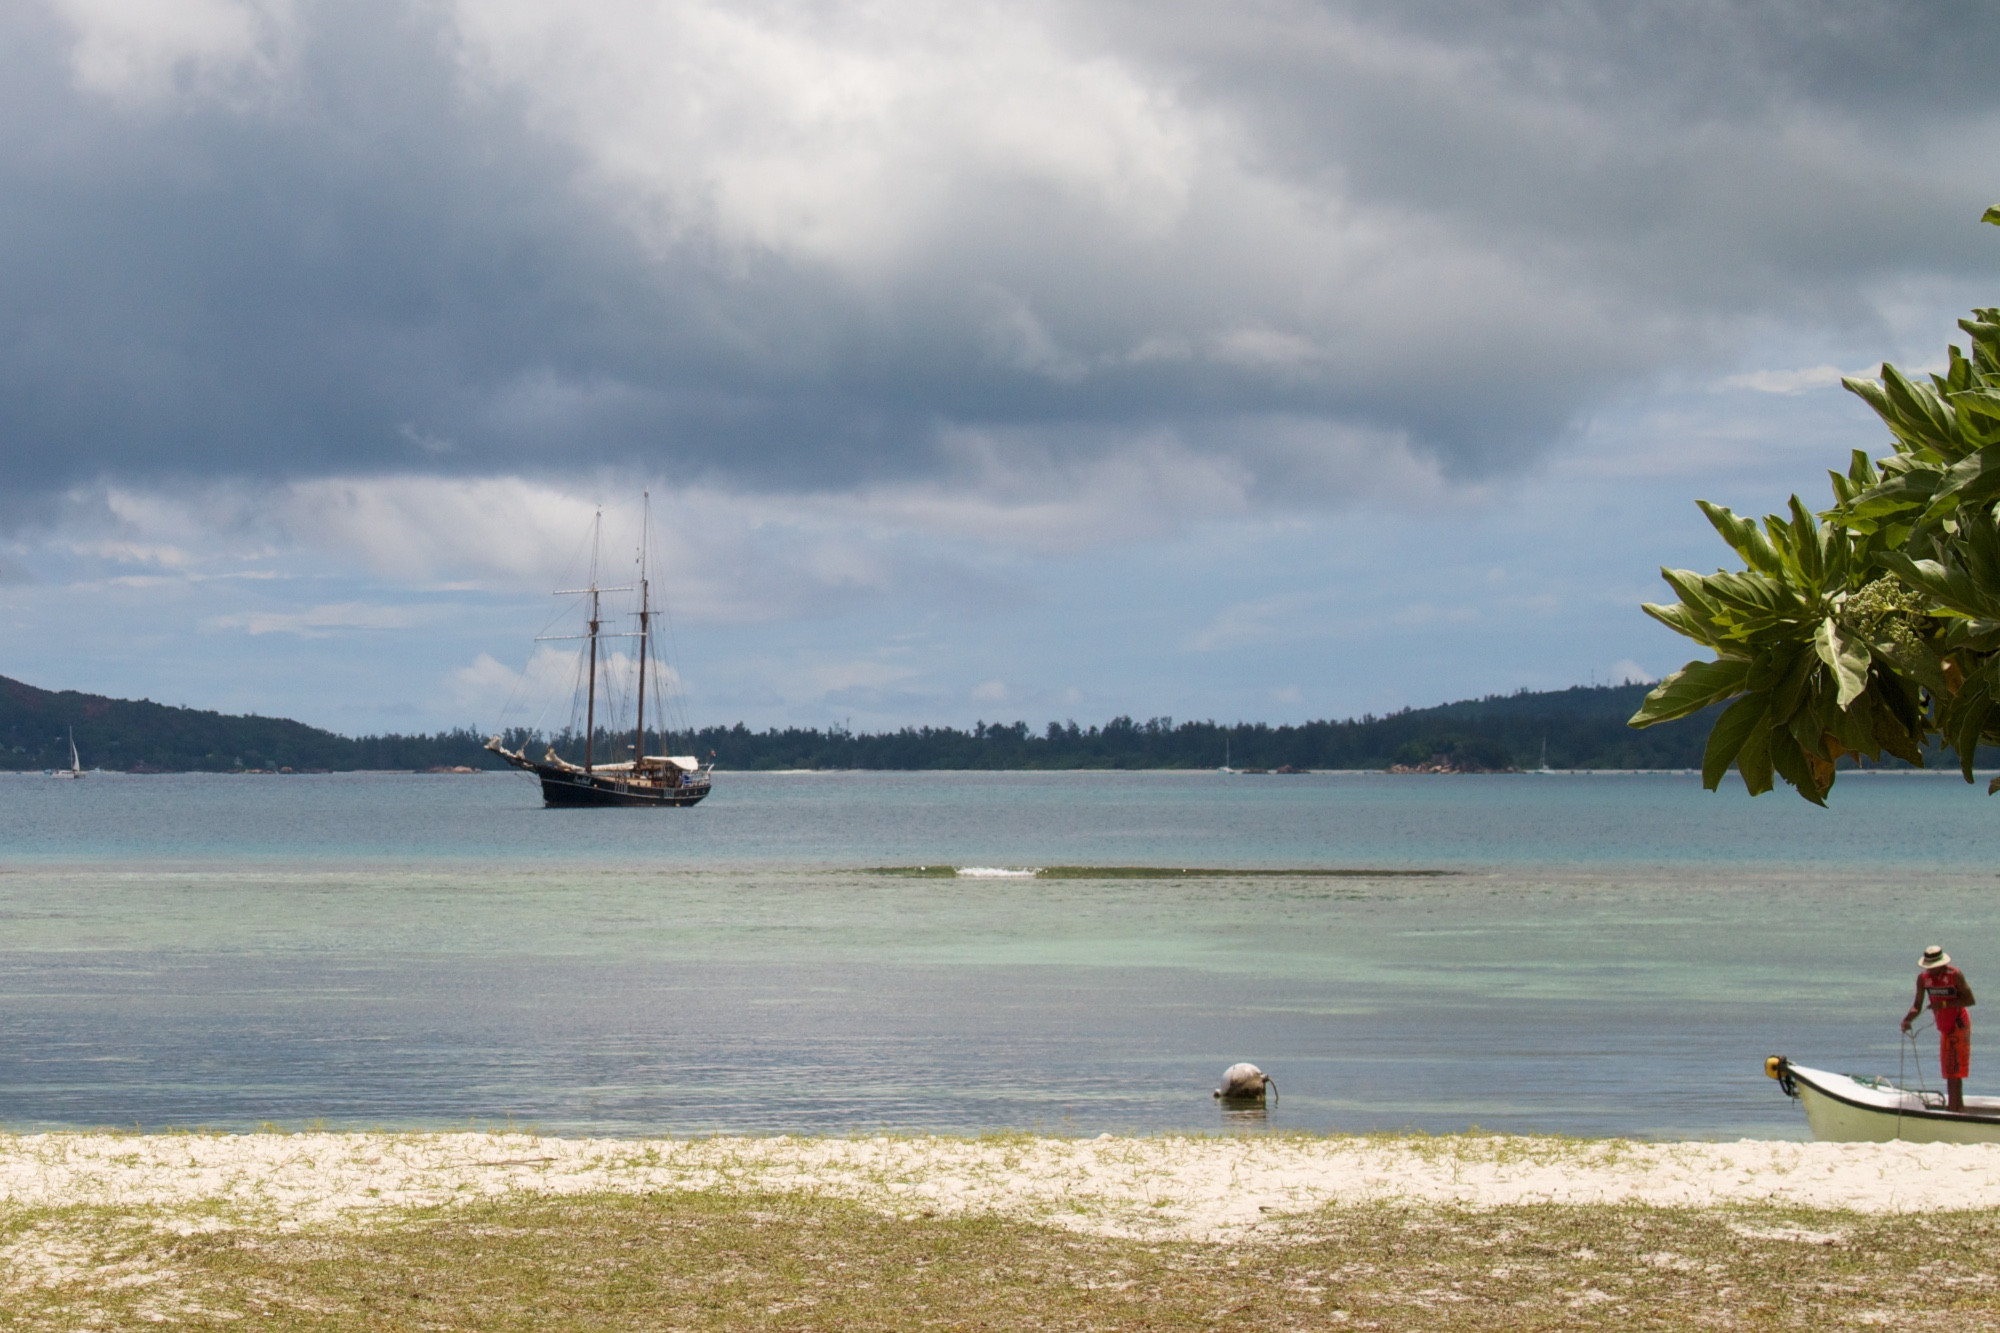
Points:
[[1949, 995]]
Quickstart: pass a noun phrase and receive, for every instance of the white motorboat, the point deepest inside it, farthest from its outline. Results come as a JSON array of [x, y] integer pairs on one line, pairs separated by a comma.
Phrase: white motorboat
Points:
[[1844, 1108]]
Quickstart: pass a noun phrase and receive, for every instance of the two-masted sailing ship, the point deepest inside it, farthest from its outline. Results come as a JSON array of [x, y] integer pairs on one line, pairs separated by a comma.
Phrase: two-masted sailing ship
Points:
[[642, 779]]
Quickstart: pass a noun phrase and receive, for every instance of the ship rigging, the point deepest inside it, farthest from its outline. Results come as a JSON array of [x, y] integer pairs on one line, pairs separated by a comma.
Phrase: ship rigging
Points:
[[645, 779]]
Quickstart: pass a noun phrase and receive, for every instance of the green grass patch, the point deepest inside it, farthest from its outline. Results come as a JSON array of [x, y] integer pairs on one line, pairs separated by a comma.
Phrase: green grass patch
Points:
[[712, 1261]]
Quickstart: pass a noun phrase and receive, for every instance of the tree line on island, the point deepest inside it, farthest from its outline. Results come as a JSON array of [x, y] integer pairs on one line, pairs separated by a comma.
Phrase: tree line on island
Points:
[[1579, 728]]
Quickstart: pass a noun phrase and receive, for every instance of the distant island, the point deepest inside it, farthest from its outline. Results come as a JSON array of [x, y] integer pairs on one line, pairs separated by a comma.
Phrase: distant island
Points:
[[1578, 728]]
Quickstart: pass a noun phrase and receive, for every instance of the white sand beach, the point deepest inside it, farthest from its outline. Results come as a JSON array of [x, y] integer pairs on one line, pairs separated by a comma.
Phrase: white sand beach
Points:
[[1162, 1187]]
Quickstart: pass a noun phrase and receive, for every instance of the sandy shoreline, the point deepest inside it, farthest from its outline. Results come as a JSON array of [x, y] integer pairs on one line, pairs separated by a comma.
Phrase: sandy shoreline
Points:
[[1165, 1187]]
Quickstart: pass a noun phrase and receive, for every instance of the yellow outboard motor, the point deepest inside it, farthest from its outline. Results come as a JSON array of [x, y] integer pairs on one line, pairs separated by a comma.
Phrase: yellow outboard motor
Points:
[[1779, 1068]]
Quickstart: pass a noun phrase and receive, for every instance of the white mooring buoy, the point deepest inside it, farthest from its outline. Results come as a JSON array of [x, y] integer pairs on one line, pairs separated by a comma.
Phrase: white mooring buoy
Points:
[[1246, 1083]]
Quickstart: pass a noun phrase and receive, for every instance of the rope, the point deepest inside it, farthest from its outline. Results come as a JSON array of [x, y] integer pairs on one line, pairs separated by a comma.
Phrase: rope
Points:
[[1907, 1052], [1917, 1055]]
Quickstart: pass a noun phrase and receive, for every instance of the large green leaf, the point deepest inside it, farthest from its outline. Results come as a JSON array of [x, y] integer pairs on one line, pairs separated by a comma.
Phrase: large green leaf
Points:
[[1680, 619], [1970, 713], [1753, 760], [1807, 722], [1896, 493], [1978, 402], [1974, 479], [1732, 729], [1745, 537], [1854, 727], [1920, 414], [1691, 689], [1900, 721], [1790, 762], [1984, 330], [1848, 661], [1808, 554], [1752, 601], [1978, 550], [1794, 685]]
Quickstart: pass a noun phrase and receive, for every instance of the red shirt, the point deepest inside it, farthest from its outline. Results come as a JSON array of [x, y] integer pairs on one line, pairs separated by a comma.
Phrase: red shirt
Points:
[[1945, 988]]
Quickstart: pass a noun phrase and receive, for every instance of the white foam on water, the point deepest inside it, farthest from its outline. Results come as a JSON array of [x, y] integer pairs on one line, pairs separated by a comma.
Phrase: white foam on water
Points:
[[995, 872]]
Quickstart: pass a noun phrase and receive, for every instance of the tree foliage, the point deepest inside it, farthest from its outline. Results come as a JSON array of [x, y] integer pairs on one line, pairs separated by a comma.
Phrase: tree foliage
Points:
[[1579, 728], [1872, 627]]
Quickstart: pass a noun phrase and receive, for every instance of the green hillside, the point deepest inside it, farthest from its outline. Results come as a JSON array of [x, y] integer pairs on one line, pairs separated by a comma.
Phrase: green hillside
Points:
[[1583, 727], [140, 736]]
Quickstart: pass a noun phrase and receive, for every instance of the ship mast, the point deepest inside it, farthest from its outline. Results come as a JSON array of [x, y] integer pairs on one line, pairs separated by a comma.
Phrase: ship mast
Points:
[[645, 589], [594, 632], [590, 708]]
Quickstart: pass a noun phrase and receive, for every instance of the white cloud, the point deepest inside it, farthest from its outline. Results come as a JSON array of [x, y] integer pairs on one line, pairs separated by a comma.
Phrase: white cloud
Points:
[[1268, 349], [1275, 619], [724, 556], [418, 527], [835, 134], [490, 689], [1017, 337], [425, 442], [134, 553], [718, 556], [147, 50], [540, 695], [1430, 613], [1791, 381], [991, 691], [484, 688], [831, 678], [319, 622]]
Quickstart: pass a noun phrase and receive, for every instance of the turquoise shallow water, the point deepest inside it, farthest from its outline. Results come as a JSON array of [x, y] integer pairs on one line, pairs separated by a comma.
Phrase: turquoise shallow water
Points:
[[1612, 954]]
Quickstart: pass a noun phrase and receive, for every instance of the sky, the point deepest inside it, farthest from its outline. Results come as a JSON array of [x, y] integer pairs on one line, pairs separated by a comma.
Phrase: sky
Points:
[[1270, 361]]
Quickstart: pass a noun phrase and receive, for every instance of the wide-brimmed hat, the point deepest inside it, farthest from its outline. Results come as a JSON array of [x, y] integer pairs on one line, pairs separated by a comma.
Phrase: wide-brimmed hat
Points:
[[1935, 956]]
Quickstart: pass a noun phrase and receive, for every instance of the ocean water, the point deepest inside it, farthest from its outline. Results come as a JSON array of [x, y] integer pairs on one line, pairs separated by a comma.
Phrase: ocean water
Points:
[[1608, 954]]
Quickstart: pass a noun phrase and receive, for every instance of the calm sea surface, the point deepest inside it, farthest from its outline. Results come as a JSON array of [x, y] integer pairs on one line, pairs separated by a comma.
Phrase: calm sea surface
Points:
[[1612, 954]]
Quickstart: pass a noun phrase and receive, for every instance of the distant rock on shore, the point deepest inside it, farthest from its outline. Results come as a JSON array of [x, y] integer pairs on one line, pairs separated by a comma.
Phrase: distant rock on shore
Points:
[[1446, 763]]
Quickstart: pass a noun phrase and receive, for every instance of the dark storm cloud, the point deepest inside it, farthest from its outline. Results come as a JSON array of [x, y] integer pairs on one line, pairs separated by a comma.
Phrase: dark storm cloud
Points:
[[1458, 224], [304, 287], [1716, 157]]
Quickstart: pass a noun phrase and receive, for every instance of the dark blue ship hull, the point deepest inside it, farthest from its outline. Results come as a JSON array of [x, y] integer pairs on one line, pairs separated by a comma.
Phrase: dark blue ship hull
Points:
[[567, 789]]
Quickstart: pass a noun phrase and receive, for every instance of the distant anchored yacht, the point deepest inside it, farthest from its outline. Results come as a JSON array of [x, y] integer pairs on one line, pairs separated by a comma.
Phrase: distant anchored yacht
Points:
[[643, 779]]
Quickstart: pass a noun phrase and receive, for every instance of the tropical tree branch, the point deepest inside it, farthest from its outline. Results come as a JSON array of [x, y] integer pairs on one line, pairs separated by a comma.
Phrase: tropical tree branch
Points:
[[1872, 627]]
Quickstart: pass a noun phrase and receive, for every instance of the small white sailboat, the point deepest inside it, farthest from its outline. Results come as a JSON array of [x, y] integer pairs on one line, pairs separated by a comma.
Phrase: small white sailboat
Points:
[[75, 769], [1225, 759], [1841, 1108]]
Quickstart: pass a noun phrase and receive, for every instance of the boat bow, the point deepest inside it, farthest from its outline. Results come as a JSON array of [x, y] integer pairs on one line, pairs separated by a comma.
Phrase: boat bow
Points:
[[1849, 1108]]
